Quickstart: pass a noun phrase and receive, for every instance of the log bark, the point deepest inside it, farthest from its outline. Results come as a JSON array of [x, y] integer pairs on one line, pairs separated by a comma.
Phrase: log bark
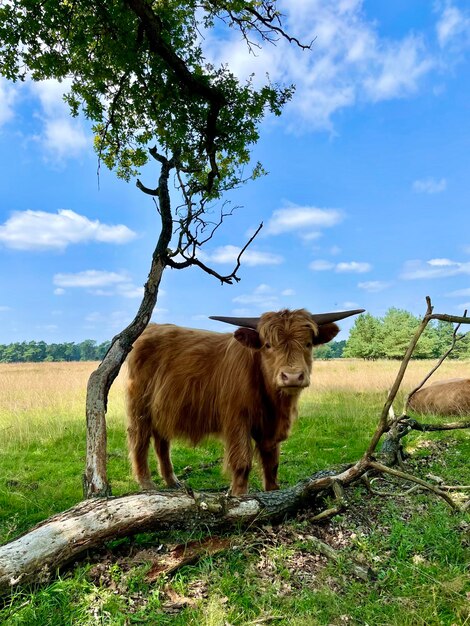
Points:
[[36, 555]]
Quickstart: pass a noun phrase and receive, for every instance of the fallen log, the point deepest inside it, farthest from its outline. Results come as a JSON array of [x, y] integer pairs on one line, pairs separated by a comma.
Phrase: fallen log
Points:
[[62, 538]]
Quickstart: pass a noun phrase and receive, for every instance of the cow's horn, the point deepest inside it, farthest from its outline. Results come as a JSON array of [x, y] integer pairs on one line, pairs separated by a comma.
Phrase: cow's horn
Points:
[[245, 322], [319, 318], [335, 316]]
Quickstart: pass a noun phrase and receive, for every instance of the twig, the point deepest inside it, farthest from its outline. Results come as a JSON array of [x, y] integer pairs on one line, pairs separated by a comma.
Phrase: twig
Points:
[[411, 478], [365, 573], [378, 492], [338, 490]]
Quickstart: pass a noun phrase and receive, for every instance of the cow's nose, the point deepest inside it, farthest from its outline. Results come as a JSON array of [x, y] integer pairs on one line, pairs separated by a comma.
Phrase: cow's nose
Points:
[[293, 379]]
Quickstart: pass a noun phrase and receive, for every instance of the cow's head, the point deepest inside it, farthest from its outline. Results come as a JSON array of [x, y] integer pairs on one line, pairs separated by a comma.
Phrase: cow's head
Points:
[[285, 340]]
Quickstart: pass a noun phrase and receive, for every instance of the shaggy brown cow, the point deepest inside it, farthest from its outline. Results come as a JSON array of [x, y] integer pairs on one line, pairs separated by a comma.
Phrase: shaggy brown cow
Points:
[[444, 397], [243, 386]]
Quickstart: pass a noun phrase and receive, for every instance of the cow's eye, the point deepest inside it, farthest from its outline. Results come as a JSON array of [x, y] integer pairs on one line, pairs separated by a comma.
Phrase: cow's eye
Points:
[[308, 344], [267, 346]]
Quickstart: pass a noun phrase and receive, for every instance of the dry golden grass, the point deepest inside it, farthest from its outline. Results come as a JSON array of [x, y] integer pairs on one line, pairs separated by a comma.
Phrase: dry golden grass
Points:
[[41, 399], [376, 376]]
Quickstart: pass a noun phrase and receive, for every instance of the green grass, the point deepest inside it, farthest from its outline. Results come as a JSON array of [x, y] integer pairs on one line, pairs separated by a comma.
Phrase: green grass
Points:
[[418, 548]]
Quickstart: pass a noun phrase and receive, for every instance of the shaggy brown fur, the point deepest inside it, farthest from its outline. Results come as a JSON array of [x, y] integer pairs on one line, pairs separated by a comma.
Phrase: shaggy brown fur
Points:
[[245, 386], [444, 397]]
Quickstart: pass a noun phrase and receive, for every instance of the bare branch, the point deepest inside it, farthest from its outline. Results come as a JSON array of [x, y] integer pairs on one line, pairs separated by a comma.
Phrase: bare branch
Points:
[[399, 474], [265, 20], [268, 22], [454, 319], [147, 190], [227, 279], [413, 424], [383, 425]]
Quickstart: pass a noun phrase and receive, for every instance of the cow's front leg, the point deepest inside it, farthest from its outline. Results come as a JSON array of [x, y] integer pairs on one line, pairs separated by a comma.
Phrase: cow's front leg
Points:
[[269, 455], [239, 458]]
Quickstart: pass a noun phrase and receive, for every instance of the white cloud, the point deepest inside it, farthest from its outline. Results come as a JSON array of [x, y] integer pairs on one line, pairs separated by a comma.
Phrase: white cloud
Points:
[[442, 263], [48, 327], [259, 300], [90, 278], [373, 286], [353, 266], [434, 268], [459, 293], [39, 230], [7, 99], [250, 258], [99, 283], [452, 26], [263, 297], [399, 68], [115, 320], [299, 218], [320, 265], [4, 308], [430, 185], [313, 236], [62, 137], [350, 62], [128, 290]]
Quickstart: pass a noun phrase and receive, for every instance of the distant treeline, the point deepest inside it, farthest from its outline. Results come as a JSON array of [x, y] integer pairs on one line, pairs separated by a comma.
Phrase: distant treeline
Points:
[[38, 351], [370, 338]]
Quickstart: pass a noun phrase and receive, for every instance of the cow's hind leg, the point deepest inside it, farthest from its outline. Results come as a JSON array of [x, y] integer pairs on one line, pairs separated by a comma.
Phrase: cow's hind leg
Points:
[[138, 437], [162, 450], [269, 455]]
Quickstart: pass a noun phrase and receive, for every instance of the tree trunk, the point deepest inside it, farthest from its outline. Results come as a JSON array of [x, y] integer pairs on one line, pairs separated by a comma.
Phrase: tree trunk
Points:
[[36, 555], [95, 481]]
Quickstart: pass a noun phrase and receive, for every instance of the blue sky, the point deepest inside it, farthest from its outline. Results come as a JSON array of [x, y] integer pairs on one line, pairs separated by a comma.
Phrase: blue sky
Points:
[[366, 203]]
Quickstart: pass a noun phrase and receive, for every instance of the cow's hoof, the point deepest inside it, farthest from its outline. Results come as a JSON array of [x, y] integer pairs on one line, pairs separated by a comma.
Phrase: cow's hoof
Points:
[[148, 485]]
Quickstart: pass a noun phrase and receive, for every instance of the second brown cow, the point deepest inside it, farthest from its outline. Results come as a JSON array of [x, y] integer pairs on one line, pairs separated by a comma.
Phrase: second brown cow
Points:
[[444, 397], [243, 387]]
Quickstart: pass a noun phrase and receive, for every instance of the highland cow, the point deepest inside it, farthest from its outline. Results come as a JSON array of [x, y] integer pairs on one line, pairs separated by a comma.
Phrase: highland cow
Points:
[[243, 387]]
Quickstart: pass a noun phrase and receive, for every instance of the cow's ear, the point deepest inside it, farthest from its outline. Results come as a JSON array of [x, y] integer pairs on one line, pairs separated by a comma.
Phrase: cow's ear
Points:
[[248, 338], [326, 332]]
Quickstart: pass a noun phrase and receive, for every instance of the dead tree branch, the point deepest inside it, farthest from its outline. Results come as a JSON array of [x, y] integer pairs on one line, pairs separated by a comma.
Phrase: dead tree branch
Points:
[[409, 477], [412, 424], [384, 424]]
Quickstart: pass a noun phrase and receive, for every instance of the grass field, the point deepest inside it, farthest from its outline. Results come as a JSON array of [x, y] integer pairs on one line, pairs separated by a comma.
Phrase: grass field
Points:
[[417, 548]]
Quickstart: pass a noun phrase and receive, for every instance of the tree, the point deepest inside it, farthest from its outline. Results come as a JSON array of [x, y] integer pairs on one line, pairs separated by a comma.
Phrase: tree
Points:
[[365, 338], [138, 72], [398, 328], [332, 350], [87, 350]]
